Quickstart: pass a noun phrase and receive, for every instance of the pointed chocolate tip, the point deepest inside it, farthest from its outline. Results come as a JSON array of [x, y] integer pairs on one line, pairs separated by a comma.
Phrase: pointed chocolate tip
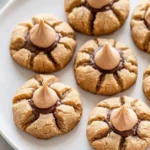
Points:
[[45, 86], [45, 97], [42, 35], [107, 58], [41, 23], [123, 118]]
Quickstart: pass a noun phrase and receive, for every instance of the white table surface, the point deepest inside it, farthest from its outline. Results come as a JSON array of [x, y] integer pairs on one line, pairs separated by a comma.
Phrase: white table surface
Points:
[[3, 144]]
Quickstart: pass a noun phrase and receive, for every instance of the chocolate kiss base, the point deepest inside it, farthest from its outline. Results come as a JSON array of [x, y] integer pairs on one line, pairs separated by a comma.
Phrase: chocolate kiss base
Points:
[[124, 134], [119, 67], [37, 111], [35, 49], [94, 10]]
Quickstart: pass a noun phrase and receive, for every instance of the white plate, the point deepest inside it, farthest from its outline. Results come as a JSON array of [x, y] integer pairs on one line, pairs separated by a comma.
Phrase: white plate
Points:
[[13, 76]]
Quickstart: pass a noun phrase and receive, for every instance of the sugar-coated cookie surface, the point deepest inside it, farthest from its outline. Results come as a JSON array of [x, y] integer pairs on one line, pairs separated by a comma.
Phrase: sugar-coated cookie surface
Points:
[[140, 25], [44, 107], [96, 17], [101, 133], [92, 78], [31, 47]]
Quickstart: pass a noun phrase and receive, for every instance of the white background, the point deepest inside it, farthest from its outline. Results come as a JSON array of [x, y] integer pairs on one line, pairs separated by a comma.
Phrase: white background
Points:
[[12, 76]]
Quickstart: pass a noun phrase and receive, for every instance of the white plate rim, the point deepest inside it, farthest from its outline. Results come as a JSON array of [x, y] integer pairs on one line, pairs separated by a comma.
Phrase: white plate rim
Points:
[[5, 136], [2, 132]]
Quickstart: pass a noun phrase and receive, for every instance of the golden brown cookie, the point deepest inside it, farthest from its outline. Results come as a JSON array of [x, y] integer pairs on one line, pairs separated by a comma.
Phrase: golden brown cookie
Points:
[[44, 107], [119, 123], [97, 19], [140, 26], [146, 82], [94, 79], [43, 47]]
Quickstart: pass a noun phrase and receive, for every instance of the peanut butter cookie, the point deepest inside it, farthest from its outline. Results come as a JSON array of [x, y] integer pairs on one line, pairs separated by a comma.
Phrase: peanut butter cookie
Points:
[[140, 26], [119, 124], [97, 17], [146, 82], [44, 107], [105, 66], [45, 44]]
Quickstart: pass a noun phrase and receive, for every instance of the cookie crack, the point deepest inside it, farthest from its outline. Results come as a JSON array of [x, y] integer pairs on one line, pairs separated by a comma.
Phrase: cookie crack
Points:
[[101, 79], [52, 59], [56, 121], [82, 64], [63, 94], [132, 63], [87, 52], [92, 22], [76, 108], [131, 71], [146, 42], [33, 55], [66, 46], [96, 119], [75, 6], [67, 91], [94, 14], [35, 51], [122, 48], [117, 16], [146, 75], [117, 78], [36, 113], [122, 100], [107, 106], [96, 42], [115, 43], [139, 18], [102, 136], [63, 34], [29, 123], [40, 80], [56, 24], [122, 142]]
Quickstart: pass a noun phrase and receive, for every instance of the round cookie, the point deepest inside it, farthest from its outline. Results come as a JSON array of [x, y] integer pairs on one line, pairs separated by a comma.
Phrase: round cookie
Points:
[[109, 120], [45, 44], [97, 17], [140, 26], [146, 82], [118, 73], [44, 107]]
